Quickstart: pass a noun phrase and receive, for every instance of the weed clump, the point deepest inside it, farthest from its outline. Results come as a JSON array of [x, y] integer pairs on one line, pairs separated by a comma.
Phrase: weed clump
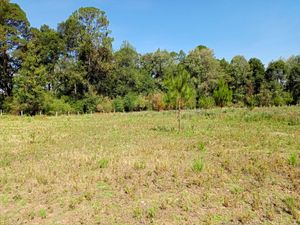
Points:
[[151, 212], [42, 213], [139, 165], [103, 163], [293, 159], [198, 165], [201, 147]]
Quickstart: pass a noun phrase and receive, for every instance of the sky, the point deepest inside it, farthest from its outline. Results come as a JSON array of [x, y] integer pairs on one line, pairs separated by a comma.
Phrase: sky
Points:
[[266, 29]]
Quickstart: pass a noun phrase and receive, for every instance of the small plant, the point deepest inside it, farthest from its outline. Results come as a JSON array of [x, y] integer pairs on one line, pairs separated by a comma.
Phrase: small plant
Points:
[[292, 205], [103, 163], [293, 160], [198, 165], [151, 212], [31, 215], [137, 213], [42, 213], [139, 165], [201, 147]]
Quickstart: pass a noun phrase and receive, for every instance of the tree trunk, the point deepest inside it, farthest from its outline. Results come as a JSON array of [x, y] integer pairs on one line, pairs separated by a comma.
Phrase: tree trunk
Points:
[[179, 116]]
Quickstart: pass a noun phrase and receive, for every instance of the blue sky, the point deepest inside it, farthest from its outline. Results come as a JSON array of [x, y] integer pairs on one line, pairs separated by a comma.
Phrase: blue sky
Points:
[[267, 29]]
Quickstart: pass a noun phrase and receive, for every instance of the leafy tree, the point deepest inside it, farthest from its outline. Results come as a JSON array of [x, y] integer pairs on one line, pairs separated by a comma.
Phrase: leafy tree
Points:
[[127, 75], [30, 84], [50, 49], [277, 72], [180, 90], [14, 34], [293, 79], [70, 79], [240, 81], [86, 35], [204, 69], [257, 70], [226, 70], [276, 76], [222, 94], [158, 63], [264, 97]]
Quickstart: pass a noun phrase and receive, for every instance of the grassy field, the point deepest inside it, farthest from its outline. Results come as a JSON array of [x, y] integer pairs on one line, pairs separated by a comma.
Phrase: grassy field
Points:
[[230, 166]]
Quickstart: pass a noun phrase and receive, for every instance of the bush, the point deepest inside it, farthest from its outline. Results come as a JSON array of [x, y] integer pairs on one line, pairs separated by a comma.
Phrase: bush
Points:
[[130, 102], [142, 103], [264, 97], [206, 102], [90, 102], [118, 104], [53, 105], [105, 105], [222, 94], [251, 101], [157, 102]]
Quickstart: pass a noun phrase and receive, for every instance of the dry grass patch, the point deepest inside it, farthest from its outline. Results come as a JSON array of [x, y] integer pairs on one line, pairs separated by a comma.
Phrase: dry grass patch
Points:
[[229, 166]]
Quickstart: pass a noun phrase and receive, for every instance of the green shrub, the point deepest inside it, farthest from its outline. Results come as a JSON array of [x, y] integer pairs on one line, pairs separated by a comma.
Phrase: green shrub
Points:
[[53, 105], [251, 101], [118, 104], [130, 102], [222, 94], [206, 102], [142, 103], [105, 105], [90, 102]]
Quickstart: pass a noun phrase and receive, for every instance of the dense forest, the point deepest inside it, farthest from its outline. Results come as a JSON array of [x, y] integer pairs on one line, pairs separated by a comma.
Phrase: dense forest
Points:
[[74, 69]]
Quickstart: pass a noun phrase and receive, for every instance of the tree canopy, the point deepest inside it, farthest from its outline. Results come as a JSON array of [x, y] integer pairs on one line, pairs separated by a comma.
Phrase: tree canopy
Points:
[[74, 68]]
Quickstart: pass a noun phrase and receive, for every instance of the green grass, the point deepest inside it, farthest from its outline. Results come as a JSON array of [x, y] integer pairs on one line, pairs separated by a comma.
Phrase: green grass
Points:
[[227, 166]]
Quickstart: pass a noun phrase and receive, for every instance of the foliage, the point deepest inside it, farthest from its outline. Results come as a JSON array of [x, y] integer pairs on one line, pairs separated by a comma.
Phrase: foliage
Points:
[[222, 94], [118, 104], [105, 105], [157, 101], [206, 102], [53, 105], [14, 34], [180, 90], [74, 67], [130, 102]]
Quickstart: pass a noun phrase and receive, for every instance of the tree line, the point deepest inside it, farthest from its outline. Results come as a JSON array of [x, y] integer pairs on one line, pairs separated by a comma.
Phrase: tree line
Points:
[[74, 69]]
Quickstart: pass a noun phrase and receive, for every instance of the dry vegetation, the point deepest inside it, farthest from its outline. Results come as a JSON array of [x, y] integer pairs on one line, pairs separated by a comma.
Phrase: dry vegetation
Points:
[[230, 166]]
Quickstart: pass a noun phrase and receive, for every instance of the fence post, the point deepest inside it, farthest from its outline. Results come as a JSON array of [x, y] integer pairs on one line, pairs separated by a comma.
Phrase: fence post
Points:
[[22, 113]]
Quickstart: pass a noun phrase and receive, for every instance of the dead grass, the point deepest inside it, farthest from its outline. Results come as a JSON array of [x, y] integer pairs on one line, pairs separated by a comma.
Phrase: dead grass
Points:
[[230, 166]]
